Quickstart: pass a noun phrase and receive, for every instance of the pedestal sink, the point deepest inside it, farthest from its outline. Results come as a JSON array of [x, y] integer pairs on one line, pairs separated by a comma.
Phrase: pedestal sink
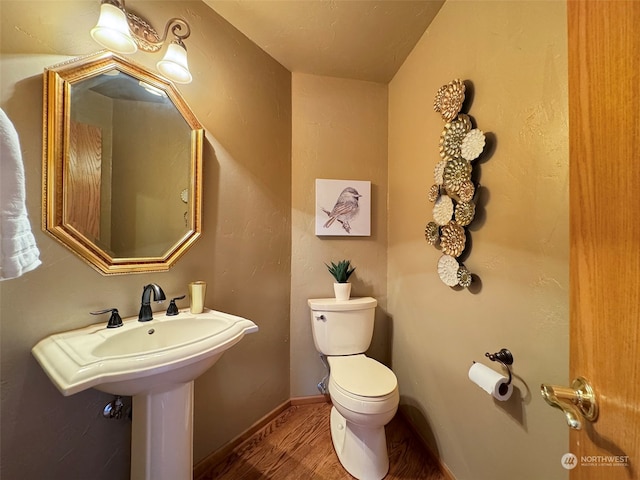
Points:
[[156, 363]]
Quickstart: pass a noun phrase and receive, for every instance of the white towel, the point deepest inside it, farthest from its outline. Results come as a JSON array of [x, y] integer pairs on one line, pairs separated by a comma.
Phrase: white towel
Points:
[[18, 250]]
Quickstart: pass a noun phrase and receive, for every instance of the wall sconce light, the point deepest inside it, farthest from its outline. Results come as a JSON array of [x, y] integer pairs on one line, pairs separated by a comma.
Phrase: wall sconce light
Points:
[[124, 32]]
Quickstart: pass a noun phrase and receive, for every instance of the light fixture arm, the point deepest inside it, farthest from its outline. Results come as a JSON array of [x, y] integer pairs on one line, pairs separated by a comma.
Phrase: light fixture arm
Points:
[[153, 42], [148, 39], [145, 35], [178, 25]]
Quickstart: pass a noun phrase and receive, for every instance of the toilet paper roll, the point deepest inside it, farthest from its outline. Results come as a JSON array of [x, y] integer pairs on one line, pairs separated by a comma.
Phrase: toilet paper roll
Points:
[[490, 381]]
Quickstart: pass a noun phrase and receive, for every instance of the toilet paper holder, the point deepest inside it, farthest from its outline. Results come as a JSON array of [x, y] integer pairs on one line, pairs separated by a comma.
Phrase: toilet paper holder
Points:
[[503, 357]]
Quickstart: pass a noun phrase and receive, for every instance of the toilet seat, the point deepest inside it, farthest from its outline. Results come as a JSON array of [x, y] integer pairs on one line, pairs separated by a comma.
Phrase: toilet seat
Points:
[[362, 376], [362, 384]]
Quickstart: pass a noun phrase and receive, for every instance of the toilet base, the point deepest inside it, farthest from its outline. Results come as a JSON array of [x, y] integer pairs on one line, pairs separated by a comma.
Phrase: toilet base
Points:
[[362, 451]]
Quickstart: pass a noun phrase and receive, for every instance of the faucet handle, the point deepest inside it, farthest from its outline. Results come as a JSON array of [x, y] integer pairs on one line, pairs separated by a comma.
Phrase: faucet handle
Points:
[[173, 308], [115, 320]]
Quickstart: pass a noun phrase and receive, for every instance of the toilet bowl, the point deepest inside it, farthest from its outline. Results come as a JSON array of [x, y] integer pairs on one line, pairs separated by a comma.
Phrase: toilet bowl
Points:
[[363, 391], [365, 398]]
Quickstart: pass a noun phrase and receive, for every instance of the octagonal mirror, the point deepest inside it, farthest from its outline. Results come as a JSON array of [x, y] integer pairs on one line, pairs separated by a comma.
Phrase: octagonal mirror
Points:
[[122, 165]]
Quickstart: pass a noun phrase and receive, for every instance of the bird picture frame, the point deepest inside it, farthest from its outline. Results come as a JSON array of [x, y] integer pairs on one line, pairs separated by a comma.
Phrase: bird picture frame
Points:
[[343, 208]]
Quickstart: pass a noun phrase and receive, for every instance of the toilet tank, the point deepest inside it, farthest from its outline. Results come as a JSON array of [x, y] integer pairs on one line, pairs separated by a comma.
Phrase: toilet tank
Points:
[[342, 327]]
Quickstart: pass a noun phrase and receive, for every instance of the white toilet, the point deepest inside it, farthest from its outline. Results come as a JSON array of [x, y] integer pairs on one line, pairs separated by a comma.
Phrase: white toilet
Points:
[[363, 391]]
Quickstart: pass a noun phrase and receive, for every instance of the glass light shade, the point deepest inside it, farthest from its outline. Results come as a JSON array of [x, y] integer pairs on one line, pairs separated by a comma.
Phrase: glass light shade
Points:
[[174, 64], [112, 30]]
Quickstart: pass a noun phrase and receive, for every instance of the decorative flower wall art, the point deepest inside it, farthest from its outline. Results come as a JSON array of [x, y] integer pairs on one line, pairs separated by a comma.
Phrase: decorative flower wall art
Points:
[[453, 190]]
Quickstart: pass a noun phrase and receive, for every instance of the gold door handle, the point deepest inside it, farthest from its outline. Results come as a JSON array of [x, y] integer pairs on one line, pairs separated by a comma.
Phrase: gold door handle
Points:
[[577, 401]]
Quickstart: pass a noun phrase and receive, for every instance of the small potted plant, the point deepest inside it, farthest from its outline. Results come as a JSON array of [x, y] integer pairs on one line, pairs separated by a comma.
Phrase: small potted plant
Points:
[[341, 272]]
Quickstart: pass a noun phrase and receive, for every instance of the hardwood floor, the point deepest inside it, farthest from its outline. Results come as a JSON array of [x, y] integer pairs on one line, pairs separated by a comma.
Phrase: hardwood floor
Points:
[[297, 446]]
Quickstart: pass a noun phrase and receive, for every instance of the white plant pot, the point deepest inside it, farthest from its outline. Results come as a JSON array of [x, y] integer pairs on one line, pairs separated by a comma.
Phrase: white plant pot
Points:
[[342, 291]]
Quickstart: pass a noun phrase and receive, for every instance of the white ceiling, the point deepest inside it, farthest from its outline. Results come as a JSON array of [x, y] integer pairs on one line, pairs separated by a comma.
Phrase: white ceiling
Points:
[[358, 39]]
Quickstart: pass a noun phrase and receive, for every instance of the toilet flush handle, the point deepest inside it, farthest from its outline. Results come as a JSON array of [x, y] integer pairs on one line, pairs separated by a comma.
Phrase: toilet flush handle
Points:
[[320, 317]]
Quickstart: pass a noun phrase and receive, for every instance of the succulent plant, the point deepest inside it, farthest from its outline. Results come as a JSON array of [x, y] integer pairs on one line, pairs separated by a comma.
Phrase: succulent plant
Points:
[[342, 271]]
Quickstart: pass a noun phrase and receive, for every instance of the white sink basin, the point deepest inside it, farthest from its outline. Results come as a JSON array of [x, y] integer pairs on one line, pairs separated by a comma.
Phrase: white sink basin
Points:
[[156, 363], [139, 357]]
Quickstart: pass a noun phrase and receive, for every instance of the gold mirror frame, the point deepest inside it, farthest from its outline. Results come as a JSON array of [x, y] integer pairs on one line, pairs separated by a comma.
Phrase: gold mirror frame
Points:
[[58, 81]]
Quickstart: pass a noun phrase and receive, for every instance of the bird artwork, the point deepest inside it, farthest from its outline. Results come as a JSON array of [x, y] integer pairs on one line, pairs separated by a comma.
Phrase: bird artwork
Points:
[[345, 209]]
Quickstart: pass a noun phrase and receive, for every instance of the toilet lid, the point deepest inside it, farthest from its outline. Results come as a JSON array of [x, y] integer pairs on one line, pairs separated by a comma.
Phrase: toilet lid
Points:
[[333, 305], [363, 376]]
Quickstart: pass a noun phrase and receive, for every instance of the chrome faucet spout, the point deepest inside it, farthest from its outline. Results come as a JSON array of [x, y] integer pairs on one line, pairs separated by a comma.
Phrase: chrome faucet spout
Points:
[[145, 306]]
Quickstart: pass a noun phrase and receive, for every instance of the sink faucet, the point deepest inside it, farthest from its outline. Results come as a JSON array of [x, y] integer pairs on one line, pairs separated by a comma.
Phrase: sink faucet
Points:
[[145, 308]]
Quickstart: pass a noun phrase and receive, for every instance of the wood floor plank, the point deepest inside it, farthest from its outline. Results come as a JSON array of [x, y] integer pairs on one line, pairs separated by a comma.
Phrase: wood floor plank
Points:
[[297, 446]]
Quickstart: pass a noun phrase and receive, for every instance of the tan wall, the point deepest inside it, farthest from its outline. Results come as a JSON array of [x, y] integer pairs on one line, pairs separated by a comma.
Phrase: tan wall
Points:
[[515, 54], [339, 131], [243, 98], [259, 240]]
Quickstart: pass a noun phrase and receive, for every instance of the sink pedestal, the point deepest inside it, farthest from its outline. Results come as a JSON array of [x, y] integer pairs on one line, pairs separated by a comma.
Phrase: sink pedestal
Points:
[[162, 434]]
